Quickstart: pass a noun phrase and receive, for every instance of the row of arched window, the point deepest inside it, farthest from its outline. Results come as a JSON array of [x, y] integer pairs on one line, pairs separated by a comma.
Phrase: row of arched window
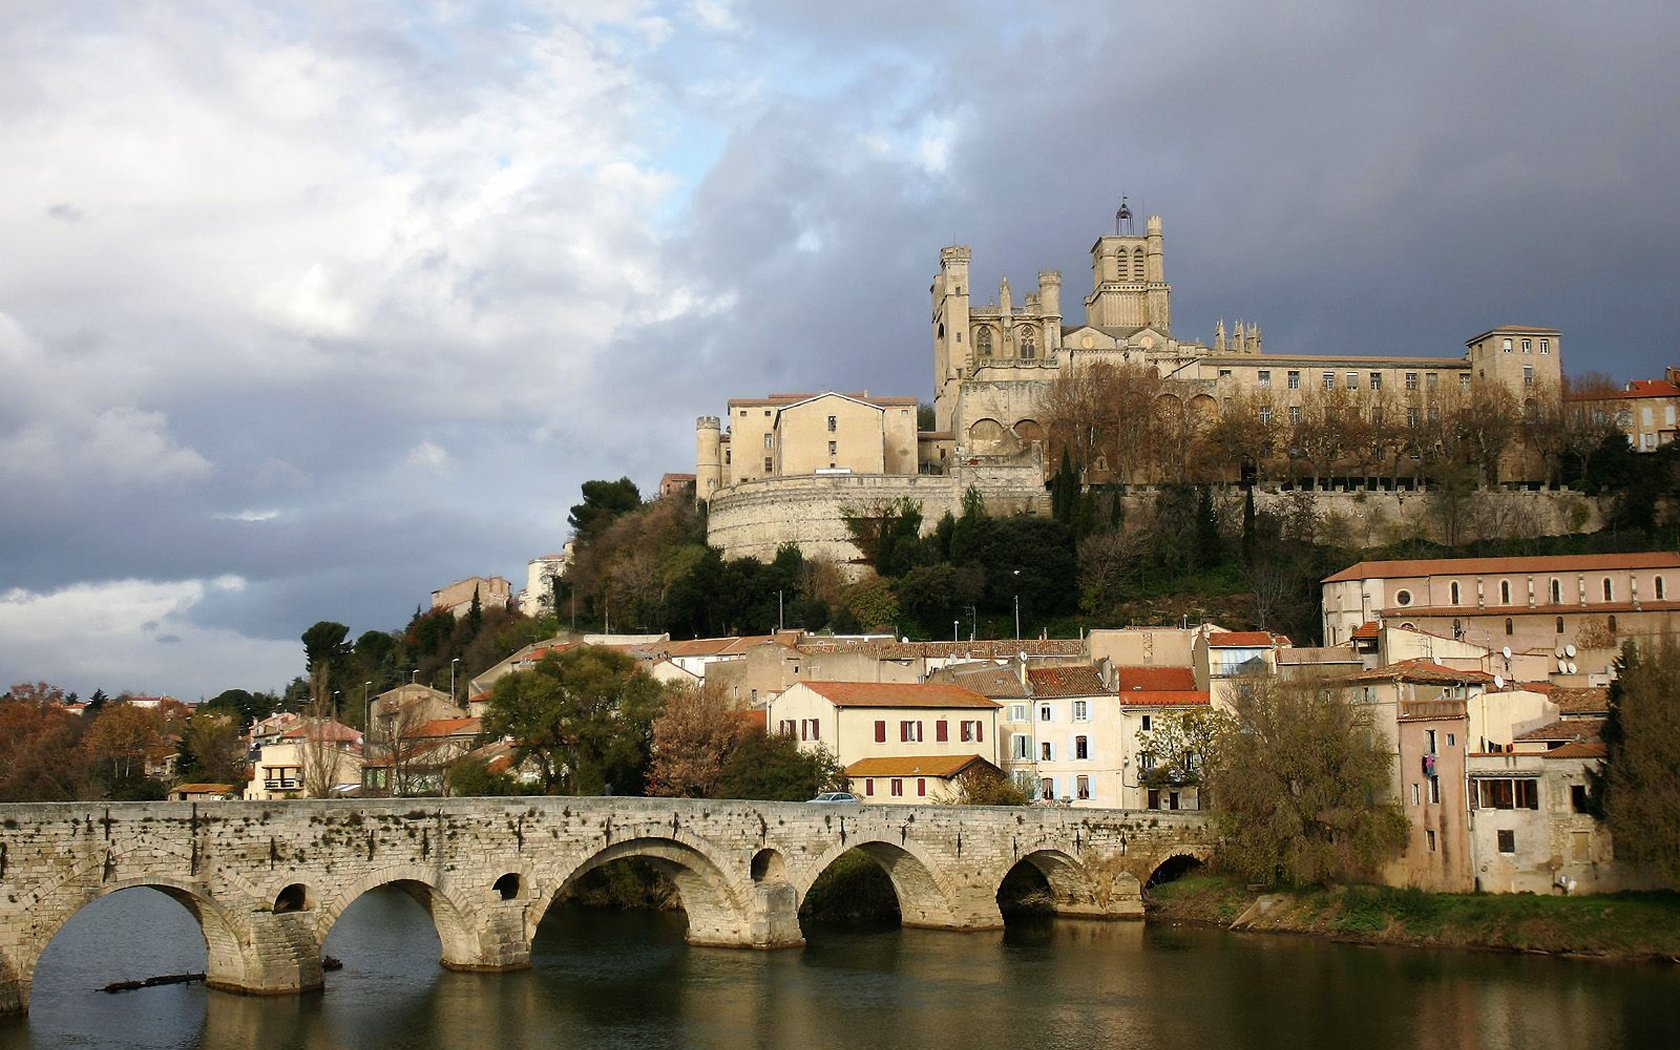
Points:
[[1660, 589], [1026, 342]]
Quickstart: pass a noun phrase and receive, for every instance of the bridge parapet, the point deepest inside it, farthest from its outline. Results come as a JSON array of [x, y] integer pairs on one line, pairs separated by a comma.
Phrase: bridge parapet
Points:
[[267, 880]]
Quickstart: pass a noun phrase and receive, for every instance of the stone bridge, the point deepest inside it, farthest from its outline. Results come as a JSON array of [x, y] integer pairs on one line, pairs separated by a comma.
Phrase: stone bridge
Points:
[[266, 881]]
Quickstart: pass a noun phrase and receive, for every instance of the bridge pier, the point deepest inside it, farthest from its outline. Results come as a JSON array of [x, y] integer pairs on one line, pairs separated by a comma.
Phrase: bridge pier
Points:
[[282, 957], [773, 917], [503, 944]]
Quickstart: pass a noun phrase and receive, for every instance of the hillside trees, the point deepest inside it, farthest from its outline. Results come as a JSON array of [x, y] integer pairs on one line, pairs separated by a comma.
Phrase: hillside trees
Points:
[[1638, 789], [41, 759]]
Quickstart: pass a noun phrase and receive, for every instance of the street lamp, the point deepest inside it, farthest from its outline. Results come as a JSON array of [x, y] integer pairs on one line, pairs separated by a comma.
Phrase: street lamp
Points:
[[1017, 574], [452, 664], [367, 720], [954, 624]]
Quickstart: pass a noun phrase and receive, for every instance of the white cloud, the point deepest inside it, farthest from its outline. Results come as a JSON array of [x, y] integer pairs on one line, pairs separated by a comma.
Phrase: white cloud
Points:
[[431, 456], [251, 516], [135, 635]]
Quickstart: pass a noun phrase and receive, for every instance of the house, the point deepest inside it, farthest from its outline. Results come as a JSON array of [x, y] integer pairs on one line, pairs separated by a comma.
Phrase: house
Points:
[[202, 792], [491, 592], [860, 720], [324, 751], [1431, 740], [915, 778], [1645, 410], [1145, 696], [1222, 658], [1076, 736], [420, 762]]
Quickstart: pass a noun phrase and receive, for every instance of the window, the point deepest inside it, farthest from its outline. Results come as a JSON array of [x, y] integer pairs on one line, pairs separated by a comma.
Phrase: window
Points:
[[1435, 790], [1017, 712], [1081, 711], [1430, 836], [983, 342], [869, 786], [1224, 373], [1545, 346], [1047, 788], [1411, 417], [1507, 842], [1528, 346], [972, 732], [1429, 379], [1560, 625], [1417, 795], [1081, 747], [768, 465], [1146, 721], [1376, 380], [1464, 380], [1662, 589], [1411, 380], [897, 787], [1046, 752], [1403, 597], [1528, 375], [1044, 713], [1504, 592], [1024, 338], [1265, 415], [1265, 379], [1294, 413], [1610, 624], [880, 732], [1609, 590], [1353, 380], [1453, 592], [1020, 746], [833, 424], [1506, 793], [941, 730], [910, 732], [1082, 787], [833, 447], [1505, 345], [1154, 799], [769, 440], [1430, 740], [1294, 379], [1557, 592], [1329, 380], [1508, 626], [1451, 740], [1578, 800]]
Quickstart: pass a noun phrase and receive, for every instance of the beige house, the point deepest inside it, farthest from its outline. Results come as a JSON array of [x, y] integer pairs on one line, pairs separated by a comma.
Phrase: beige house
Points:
[[1077, 745], [1430, 764], [493, 592], [1147, 695], [913, 779], [1646, 410], [859, 720], [327, 751], [1580, 602], [786, 435]]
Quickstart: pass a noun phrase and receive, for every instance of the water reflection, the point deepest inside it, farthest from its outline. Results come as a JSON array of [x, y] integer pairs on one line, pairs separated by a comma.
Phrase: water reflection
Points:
[[610, 979]]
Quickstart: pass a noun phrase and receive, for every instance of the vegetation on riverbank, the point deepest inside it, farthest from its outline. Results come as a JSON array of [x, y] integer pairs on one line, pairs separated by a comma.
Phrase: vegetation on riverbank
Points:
[[1618, 926]]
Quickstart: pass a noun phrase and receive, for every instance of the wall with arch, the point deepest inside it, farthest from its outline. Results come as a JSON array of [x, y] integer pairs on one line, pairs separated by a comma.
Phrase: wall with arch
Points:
[[267, 881]]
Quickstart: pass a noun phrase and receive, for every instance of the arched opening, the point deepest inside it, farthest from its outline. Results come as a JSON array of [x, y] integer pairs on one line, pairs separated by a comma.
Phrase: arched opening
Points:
[[295, 897], [1025, 894], [132, 934], [768, 866], [988, 437], [652, 878], [1172, 869], [1043, 883], [853, 891], [393, 931], [1029, 430], [508, 886]]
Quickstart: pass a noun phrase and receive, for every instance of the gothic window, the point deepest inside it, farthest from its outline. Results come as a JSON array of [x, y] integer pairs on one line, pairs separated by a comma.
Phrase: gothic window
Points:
[[983, 342], [1453, 590], [1557, 592], [1504, 592], [1027, 342], [1662, 590], [1609, 590], [1137, 264]]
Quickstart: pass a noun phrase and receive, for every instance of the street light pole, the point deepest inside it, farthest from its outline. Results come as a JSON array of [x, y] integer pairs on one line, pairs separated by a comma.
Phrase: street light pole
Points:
[[954, 624], [452, 664], [1017, 575], [367, 720]]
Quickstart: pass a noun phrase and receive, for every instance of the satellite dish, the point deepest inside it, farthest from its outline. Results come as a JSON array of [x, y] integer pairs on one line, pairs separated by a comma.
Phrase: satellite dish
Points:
[[1563, 668], [1572, 667], [1499, 681], [1569, 650], [1559, 652], [1505, 652]]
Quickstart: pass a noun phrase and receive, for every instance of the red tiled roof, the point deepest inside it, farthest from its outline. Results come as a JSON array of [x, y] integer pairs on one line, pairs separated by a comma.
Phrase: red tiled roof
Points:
[[1590, 701], [1551, 563], [1245, 640], [986, 650], [1422, 669], [1566, 729], [1071, 680], [1366, 632], [331, 732], [913, 765], [1578, 749], [442, 727], [894, 694], [1165, 698], [989, 680], [1155, 679]]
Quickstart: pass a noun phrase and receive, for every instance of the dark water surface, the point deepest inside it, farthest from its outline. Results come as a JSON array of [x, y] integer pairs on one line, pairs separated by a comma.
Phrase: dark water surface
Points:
[[609, 979]]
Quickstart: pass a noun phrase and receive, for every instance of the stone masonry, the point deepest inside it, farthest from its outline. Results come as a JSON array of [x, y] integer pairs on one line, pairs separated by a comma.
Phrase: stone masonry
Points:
[[266, 881]]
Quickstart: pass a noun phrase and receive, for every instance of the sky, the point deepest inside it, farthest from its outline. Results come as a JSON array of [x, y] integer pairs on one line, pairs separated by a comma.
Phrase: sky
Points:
[[308, 309]]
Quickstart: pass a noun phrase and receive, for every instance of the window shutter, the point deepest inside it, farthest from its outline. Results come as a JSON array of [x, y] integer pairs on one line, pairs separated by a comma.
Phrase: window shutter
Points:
[[880, 732], [921, 786], [941, 731]]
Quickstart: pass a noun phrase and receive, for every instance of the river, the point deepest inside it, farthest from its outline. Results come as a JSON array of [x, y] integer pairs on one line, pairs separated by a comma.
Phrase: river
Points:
[[626, 979]]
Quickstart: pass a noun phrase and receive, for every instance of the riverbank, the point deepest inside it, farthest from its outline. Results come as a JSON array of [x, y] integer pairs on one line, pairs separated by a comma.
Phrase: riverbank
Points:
[[1631, 926]]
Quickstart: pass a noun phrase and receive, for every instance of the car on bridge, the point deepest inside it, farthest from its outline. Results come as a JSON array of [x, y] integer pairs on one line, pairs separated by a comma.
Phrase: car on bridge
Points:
[[836, 796]]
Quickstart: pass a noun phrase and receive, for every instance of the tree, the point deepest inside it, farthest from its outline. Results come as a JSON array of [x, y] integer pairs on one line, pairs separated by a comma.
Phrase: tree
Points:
[[122, 741], [1638, 789], [584, 716], [1177, 746], [693, 739], [602, 502], [212, 750], [981, 786], [471, 777], [773, 767], [40, 755], [872, 604], [1295, 776]]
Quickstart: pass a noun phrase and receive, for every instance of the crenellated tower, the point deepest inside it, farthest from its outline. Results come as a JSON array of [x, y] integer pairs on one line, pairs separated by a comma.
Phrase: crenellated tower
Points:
[[1129, 286]]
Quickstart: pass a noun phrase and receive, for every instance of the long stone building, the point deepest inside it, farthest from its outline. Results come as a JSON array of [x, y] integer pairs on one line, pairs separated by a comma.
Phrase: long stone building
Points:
[[782, 468]]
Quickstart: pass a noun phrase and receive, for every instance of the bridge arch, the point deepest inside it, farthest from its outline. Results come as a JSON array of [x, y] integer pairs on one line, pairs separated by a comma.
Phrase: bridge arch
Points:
[[1174, 864], [1072, 890], [226, 937], [453, 919], [712, 900], [923, 898]]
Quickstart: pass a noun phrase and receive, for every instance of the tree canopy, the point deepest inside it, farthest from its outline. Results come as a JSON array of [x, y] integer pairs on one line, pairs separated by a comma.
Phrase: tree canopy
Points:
[[1639, 788]]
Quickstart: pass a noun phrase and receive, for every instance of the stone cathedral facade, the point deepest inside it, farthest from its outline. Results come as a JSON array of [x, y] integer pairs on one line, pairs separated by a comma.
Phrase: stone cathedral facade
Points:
[[780, 468]]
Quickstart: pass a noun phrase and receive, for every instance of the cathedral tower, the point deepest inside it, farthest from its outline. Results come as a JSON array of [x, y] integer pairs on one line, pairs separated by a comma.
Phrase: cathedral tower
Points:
[[1129, 288]]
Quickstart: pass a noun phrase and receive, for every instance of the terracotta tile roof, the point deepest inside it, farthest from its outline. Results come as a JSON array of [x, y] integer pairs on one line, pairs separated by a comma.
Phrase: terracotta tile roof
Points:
[[1245, 640], [1636, 388], [1578, 749], [1431, 710], [1422, 669], [1566, 729], [715, 646], [447, 727], [989, 680], [1551, 563], [1367, 631], [203, 789], [983, 650], [1316, 654], [1155, 679], [892, 694], [1165, 698], [331, 732], [1590, 701], [914, 765], [1071, 680]]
